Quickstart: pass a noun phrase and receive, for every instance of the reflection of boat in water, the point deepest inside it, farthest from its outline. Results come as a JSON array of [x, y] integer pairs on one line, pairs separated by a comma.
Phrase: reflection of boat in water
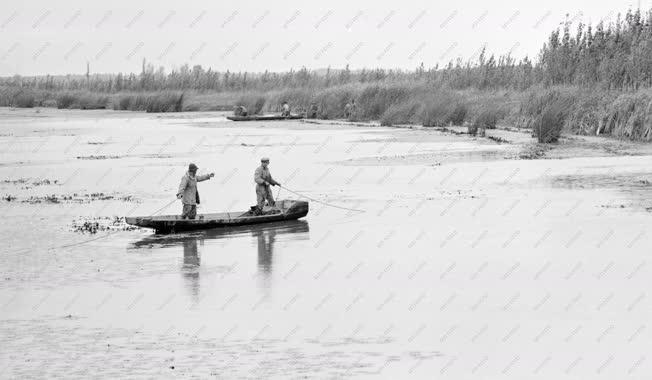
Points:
[[192, 244], [165, 240], [284, 210]]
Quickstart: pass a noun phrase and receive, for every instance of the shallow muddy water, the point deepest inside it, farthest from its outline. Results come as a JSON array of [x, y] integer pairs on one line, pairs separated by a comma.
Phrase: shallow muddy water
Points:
[[467, 261]]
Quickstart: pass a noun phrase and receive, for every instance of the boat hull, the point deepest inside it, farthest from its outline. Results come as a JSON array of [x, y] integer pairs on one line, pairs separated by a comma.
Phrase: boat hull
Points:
[[290, 210], [263, 117]]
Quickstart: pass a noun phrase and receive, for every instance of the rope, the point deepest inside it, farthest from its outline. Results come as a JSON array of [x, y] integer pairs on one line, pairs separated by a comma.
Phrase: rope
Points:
[[318, 201], [85, 241], [164, 207], [69, 245]]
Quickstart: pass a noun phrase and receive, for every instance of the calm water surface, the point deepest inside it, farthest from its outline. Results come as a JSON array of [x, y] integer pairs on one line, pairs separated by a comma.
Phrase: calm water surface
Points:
[[465, 263]]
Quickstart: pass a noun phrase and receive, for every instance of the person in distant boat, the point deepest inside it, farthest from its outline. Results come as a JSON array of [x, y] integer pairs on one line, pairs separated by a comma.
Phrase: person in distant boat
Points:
[[188, 191], [240, 111], [285, 111], [264, 180], [314, 109], [349, 109]]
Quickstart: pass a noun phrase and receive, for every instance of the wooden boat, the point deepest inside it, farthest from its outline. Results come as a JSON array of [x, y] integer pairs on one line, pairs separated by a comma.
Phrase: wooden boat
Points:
[[284, 210], [264, 117]]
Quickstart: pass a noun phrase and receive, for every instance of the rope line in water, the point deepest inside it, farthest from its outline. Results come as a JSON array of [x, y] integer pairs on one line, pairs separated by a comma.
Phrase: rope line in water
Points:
[[318, 201], [68, 245], [85, 241], [109, 233]]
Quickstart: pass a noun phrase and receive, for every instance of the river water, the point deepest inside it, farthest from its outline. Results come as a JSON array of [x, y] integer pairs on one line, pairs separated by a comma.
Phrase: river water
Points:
[[466, 262]]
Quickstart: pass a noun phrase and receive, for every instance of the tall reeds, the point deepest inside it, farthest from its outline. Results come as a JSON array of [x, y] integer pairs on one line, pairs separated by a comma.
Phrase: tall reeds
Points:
[[629, 116], [84, 100], [166, 101]]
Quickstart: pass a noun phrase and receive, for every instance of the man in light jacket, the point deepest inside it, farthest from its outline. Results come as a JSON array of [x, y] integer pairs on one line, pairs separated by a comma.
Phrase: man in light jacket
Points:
[[188, 191], [264, 180]]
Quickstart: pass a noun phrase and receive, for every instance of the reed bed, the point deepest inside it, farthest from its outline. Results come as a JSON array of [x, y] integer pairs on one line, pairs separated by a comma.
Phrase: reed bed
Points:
[[547, 111], [166, 101]]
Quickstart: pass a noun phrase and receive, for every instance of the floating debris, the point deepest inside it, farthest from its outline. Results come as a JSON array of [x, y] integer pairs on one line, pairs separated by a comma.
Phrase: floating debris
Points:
[[45, 182], [498, 139], [94, 157], [47, 199], [155, 155], [449, 130], [533, 152], [78, 198], [92, 225], [613, 206], [30, 182], [19, 181]]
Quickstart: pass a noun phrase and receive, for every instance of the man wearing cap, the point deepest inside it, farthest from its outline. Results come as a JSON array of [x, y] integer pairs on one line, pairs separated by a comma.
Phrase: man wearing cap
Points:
[[188, 191], [263, 180]]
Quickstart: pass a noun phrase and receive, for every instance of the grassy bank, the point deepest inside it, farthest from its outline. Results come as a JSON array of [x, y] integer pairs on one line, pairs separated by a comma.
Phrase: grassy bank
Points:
[[550, 112], [160, 101], [547, 111]]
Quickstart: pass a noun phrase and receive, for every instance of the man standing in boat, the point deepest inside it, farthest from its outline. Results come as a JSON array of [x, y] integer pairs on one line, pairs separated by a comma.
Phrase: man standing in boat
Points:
[[240, 111], [285, 109], [314, 109], [188, 191], [349, 110], [264, 180]]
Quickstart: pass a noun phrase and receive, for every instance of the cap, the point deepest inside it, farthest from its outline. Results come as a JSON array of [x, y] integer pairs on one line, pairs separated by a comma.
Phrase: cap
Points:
[[192, 167], [264, 159]]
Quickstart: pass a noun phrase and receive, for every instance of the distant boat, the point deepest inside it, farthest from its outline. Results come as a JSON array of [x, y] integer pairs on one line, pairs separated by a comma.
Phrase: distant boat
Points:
[[284, 210], [264, 117]]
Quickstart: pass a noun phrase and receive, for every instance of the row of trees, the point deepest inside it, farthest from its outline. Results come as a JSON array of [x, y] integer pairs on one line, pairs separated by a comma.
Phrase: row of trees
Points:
[[618, 56], [615, 56]]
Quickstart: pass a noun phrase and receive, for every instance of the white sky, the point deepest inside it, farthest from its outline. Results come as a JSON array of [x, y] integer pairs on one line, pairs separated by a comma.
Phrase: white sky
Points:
[[58, 37]]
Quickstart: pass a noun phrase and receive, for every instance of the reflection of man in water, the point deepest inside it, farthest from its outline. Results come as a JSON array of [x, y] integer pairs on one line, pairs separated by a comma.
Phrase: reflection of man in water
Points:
[[266, 241], [190, 270]]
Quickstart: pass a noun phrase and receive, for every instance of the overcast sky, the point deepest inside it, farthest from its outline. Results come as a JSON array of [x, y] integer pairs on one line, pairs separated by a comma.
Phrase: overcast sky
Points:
[[59, 37]]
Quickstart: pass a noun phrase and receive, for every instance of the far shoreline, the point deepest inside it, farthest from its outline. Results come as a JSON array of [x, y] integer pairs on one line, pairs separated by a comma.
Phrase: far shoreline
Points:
[[525, 145]]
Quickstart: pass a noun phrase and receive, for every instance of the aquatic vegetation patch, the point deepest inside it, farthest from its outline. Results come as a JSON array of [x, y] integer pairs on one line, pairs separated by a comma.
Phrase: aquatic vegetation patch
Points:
[[93, 225], [77, 198], [98, 157]]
